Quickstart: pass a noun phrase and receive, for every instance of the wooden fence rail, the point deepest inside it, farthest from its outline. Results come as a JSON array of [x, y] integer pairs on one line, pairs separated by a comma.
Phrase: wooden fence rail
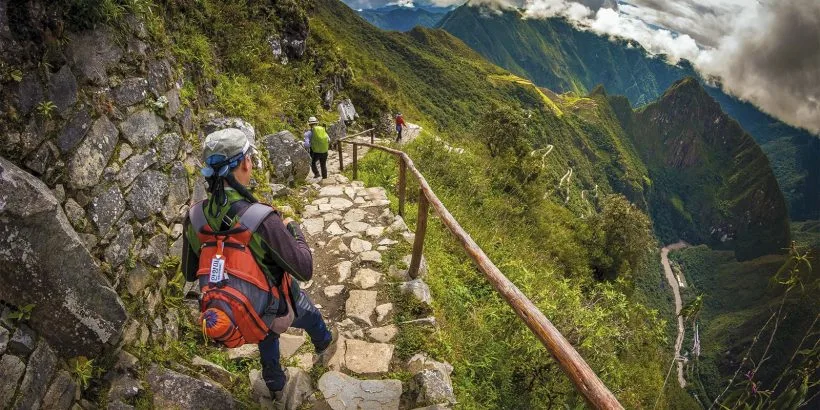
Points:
[[573, 365]]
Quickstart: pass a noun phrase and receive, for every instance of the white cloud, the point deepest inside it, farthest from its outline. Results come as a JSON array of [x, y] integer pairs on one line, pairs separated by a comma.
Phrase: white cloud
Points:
[[764, 53]]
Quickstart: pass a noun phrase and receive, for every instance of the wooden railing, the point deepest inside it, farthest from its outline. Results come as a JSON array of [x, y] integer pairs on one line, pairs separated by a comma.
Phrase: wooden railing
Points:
[[579, 372]]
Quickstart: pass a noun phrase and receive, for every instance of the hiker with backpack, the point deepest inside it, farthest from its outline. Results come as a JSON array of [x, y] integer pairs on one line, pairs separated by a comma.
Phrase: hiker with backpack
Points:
[[400, 124], [317, 143], [246, 258]]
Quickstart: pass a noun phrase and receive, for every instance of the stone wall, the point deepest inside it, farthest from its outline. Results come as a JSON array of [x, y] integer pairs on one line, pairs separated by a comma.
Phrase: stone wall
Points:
[[98, 166]]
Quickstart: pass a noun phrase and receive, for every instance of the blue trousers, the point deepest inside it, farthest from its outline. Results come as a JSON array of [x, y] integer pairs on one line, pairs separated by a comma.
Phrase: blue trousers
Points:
[[308, 318]]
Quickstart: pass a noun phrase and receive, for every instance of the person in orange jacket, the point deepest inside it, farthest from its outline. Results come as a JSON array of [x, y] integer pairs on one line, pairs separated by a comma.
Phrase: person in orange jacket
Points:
[[400, 124]]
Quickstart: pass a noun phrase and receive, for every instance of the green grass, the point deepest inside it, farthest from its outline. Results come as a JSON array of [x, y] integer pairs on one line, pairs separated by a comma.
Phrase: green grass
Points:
[[498, 362]]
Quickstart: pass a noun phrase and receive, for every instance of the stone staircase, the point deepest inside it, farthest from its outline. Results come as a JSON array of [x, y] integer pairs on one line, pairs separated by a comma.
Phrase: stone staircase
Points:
[[349, 228]]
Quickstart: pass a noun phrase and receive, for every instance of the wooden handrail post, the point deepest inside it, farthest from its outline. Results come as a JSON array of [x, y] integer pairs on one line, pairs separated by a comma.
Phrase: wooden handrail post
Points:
[[341, 160], [372, 136], [402, 185], [418, 242], [355, 161]]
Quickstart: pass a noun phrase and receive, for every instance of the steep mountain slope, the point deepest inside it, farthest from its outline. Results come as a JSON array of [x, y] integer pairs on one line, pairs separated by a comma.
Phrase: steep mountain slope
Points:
[[436, 79], [556, 55], [402, 18], [711, 182]]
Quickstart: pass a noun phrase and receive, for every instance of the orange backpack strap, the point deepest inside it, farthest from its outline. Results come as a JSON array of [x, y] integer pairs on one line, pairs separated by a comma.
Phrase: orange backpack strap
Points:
[[254, 215]]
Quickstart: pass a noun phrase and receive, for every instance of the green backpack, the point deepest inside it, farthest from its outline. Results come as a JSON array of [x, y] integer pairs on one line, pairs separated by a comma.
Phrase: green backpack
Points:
[[319, 141]]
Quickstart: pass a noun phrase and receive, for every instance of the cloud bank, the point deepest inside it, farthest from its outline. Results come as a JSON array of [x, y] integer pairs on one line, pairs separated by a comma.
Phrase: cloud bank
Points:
[[765, 53]]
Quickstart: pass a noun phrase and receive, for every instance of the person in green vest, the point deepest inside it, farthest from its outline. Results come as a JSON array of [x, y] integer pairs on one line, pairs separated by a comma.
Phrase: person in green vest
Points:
[[317, 143]]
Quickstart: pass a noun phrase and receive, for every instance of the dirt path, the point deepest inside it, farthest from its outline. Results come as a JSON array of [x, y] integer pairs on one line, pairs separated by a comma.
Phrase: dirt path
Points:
[[673, 282]]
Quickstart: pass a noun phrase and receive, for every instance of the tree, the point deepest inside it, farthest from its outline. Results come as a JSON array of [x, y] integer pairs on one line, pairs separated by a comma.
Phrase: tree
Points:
[[503, 131], [623, 235]]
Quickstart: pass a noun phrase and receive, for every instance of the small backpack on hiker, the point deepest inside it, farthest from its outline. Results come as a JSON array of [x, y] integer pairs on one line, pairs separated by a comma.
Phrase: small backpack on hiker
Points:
[[319, 142]]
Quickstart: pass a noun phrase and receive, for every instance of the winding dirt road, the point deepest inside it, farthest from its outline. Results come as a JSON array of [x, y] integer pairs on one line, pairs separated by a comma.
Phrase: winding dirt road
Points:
[[673, 283]]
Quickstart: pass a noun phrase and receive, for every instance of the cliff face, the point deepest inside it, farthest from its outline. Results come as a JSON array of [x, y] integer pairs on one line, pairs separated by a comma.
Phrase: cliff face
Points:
[[711, 181]]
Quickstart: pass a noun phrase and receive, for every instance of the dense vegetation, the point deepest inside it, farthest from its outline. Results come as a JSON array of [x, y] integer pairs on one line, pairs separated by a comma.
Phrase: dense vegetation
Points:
[[554, 54], [750, 308], [711, 181]]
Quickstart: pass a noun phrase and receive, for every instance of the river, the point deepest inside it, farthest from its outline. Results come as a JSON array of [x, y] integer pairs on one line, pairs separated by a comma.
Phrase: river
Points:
[[673, 282]]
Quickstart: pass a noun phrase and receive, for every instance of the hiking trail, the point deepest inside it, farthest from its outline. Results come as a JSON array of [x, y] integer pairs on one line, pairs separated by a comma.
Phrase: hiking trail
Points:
[[349, 226]]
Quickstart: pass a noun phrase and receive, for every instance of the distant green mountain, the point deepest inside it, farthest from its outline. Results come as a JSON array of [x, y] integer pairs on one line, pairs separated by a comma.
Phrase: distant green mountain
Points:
[[711, 182], [554, 54], [403, 18]]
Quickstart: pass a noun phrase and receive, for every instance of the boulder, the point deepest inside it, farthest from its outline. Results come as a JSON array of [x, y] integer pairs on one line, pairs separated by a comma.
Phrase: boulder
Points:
[[418, 289], [62, 89], [347, 112], [371, 256], [343, 268], [342, 392], [23, 341], [75, 129], [259, 390], [60, 395], [75, 213], [148, 194], [93, 52], [11, 370], [117, 252], [358, 245], [360, 305], [367, 358], [178, 194], [29, 92], [334, 290], [124, 388], [39, 370], [168, 147], [174, 390], [431, 382], [382, 311], [43, 158], [432, 386], [174, 103], [289, 159], [160, 76], [130, 92], [75, 308], [135, 165], [91, 157], [298, 388], [155, 250], [106, 208], [366, 278], [383, 334], [141, 127]]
